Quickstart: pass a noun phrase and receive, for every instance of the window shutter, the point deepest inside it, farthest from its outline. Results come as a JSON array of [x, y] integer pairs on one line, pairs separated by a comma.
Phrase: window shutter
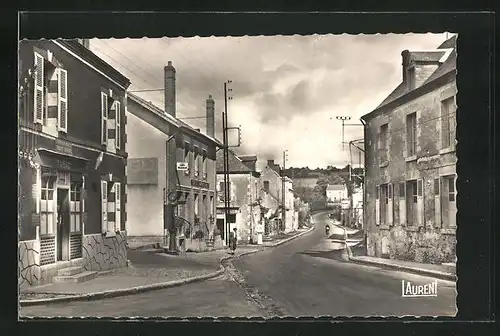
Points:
[[118, 206], [402, 203], [104, 118], [377, 205], [118, 126], [420, 202], [390, 205], [437, 203], [38, 92], [62, 101], [104, 206]]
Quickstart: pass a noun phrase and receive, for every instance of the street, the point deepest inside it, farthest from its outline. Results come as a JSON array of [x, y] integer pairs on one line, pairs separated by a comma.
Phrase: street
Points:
[[299, 278]]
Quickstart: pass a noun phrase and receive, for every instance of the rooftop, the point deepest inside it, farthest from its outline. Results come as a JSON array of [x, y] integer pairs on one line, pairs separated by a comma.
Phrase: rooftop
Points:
[[447, 65], [335, 187], [236, 165]]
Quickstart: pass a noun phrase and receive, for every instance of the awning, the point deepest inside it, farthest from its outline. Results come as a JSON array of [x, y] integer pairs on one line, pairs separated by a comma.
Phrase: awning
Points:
[[61, 161]]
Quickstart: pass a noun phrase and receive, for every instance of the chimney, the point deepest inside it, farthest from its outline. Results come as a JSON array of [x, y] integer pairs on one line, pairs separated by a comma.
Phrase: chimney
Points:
[[405, 54], [270, 163], [169, 76], [85, 43], [250, 161], [210, 117]]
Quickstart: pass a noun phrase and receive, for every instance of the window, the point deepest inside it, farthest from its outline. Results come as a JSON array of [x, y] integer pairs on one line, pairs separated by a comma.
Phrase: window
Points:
[[411, 134], [204, 164], [211, 206], [451, 189], [383, 140], [205, 207], [50, 94], [436, 187], [196, 205], [222, 192], [76, 207], [47, 206], [196, 162], [448, 123], [266, 186], [411, 202], [401, 190]]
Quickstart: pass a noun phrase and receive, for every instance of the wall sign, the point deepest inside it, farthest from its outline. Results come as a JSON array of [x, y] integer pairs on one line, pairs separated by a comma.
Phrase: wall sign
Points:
[[182, 166], [200, 184], [142, 171], [64, 147]]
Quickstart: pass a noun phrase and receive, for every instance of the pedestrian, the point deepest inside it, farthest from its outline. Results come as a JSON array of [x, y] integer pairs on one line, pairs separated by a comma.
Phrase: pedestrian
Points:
[[232, 241]]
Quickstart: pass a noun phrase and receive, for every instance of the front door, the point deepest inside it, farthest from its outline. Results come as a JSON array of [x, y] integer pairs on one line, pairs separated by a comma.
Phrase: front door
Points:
[[63, 224]]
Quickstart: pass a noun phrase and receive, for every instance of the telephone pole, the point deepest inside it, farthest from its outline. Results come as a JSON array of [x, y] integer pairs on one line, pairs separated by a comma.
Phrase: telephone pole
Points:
[[227, 190], [283, 191]]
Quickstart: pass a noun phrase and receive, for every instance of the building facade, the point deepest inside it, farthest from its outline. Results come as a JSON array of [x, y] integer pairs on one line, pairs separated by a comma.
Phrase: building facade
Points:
[[410, 159], [336, 193], [150, 130], [72, 157], [271, 198], [244, 203]]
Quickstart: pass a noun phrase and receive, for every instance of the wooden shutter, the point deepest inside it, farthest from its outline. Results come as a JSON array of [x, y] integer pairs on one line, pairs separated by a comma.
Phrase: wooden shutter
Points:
[[402, 203], [390, 204], [437, 203], [62, 101], [118, 207], [118, 126], [104, 206], [420, 202], [38, 91], [104, 118], [377, 205]]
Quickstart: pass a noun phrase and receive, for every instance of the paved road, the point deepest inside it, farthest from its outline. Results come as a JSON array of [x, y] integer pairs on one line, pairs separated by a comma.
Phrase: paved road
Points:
[[299, 278], [304, 280]]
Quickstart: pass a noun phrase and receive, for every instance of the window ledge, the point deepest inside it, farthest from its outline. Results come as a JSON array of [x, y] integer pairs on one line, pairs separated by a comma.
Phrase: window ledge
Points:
[[384, 227], [412, 228], [447, 150], [383, 164], [449, 231], [411, 158]]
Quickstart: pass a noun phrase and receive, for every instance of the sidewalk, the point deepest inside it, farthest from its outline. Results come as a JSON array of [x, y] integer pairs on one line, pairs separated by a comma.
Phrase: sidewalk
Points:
[[273, 241], [148, 270], [445, 271]]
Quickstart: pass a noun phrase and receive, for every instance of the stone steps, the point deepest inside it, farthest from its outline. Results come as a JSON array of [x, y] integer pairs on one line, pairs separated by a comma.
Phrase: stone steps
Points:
[[75, 278], [70, 271]]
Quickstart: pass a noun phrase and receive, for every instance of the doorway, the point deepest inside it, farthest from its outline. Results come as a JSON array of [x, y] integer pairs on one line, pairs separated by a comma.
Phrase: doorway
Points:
[[63, 218]]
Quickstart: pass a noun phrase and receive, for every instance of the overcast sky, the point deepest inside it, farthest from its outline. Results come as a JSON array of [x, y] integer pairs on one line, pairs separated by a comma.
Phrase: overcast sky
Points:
[[287, 90]]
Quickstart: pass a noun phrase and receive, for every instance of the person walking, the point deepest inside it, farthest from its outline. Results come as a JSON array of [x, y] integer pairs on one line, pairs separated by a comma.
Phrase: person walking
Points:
[[232, 241]]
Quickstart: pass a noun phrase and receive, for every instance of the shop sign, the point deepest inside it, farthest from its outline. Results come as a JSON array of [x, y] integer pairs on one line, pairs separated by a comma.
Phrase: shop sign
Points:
[[63, 164], [200, 184]]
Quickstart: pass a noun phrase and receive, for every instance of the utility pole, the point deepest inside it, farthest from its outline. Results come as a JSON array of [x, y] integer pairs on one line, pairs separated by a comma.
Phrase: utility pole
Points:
[[227, 190], [283, 190], [343, 119]]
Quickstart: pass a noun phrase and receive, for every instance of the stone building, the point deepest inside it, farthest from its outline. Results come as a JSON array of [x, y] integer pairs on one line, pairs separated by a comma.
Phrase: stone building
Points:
[[72, 158], [149, 131], [410, 161], [244, 204]]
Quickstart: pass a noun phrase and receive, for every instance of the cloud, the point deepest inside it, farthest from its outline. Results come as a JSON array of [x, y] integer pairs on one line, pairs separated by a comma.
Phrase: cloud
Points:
[[286, 90]]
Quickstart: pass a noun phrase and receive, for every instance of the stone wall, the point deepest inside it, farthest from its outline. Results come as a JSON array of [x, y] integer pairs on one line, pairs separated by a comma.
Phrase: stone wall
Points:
[[28, 263], [423, 245], [101, 253]]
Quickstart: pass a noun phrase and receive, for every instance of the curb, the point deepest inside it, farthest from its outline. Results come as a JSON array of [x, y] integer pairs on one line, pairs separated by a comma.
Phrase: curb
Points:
[[414, 270], [291, 238], [134, 290]]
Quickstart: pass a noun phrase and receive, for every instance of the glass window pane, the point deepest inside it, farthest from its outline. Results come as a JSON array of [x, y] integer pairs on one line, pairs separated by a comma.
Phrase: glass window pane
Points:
[[50, 195], [43, 223], [50, 223], [44, 194]]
